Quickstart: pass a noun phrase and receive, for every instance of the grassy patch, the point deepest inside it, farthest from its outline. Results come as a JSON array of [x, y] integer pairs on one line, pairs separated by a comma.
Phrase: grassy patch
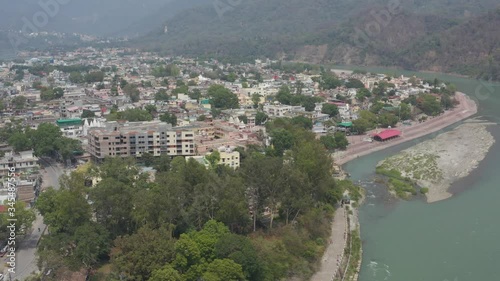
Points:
[[405, 169], [402, 188]]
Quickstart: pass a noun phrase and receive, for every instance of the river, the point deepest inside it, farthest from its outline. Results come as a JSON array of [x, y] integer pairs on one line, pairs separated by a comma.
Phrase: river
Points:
[[452, 240]]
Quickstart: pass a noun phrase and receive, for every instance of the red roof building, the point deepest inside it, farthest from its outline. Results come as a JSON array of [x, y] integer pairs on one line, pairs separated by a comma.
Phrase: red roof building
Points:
[[387, 134]]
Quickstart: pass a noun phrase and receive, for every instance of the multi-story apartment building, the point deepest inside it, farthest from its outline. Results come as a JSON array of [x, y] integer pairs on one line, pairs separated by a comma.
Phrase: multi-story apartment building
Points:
[[135, 138], [229, 157]]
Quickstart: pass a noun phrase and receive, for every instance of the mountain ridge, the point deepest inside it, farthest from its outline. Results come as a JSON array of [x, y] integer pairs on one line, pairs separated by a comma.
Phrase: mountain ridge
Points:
[[321, 31]]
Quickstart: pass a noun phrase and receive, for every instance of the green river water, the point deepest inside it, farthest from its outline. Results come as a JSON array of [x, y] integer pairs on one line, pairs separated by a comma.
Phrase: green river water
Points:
[[452, 240]]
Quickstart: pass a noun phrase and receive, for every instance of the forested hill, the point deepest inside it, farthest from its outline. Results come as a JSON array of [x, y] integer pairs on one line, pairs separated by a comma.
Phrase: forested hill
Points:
[[418, 34]]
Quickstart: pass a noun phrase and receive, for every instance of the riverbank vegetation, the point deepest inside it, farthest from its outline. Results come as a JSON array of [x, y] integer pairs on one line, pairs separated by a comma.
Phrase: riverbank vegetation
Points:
[[353, 251], [402, 187], [268, 220], [437, 163]]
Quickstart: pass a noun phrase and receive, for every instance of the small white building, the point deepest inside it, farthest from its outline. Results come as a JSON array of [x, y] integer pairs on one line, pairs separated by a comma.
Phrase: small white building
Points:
[[20, 162]]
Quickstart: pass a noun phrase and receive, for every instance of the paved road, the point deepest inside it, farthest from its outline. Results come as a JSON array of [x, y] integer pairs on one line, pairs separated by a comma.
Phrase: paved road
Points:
[[25, 255], [335, 251]]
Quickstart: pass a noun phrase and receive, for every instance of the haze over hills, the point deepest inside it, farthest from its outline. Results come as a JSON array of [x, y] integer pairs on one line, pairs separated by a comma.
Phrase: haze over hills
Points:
[[342, 32], [459, 36], [96, 17]]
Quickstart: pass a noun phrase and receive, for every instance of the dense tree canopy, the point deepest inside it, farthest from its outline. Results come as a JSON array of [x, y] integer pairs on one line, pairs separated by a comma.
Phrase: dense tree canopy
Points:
[[222, 98], [190, 223], [330, 109], [170, 118], [166, 70]]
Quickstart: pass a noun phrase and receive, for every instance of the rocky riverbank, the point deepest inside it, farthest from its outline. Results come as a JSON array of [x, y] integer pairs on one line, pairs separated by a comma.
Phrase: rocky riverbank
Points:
[[435, 164]]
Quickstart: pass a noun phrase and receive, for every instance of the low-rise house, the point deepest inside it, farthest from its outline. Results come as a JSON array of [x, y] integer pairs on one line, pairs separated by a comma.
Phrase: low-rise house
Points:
[[22, 162]]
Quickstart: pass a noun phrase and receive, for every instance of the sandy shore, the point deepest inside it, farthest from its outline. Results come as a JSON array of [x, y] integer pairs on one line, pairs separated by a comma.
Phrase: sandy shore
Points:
[[437, 163], [358, 147]]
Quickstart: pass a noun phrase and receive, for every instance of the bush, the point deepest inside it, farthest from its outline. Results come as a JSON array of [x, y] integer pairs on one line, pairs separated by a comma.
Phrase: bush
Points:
[[424, 190]]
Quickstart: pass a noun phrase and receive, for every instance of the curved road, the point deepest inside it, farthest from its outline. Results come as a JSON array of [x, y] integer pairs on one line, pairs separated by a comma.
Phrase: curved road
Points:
[[25, 255]]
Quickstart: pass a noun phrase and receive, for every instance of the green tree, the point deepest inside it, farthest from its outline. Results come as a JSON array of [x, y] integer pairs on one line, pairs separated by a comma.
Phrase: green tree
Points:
[[341, 141], [281, 140], [20, 141], [113, 205], [170, 118], [387, 120], [36, 85], [256, 100], [328, 141], [94, 76], [260, 118], [24, 217], [429, 104], [92, 244], [19, 102], [87, 114], [302, 122], [162, 163], [151, 109], [163, 71], [58, 92], [404, 111], [195, 94], [446, 102], [330, 109], [240, 249], [139, 255], [148, 159], [213, 159], [231, 77], [47, 139], [361, 125], [243, 118], [222, 98], [64, 210], [182, 89], [284, 95], [166, 273], [363, 93], [329, 81], [76, 77], [47, 94], [132, 115], [132, 92], [309, 103], [224, 270], [354, 83], [162, 95]]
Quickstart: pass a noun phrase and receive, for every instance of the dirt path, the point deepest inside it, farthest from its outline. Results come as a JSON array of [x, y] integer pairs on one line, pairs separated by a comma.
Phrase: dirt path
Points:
[[465, 109], [334, 253]]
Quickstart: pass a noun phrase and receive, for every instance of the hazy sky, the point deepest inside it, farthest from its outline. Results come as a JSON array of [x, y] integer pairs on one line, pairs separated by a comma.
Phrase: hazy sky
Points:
[[101, 17]]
